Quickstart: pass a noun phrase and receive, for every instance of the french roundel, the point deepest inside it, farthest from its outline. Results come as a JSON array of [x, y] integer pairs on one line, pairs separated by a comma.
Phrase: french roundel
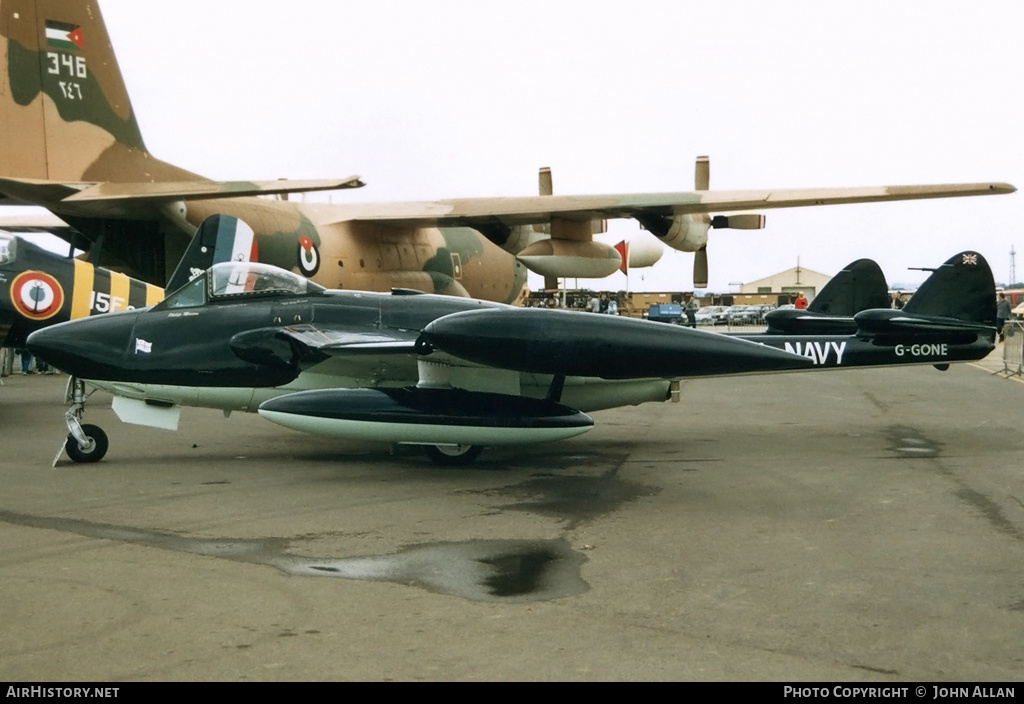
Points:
[[36, 295], [309, 257]]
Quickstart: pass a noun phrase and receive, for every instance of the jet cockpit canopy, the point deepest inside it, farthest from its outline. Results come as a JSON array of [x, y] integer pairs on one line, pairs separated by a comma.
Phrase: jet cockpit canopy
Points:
[[254, 279], [233, 280], [8, 248]]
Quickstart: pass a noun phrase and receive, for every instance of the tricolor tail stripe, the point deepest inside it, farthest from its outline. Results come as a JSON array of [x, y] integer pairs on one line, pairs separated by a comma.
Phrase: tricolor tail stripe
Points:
[[234, 242]]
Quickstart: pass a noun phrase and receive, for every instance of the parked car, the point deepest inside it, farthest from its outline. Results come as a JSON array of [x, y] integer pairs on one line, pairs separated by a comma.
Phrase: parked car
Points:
[[744, 315], [712, 315]]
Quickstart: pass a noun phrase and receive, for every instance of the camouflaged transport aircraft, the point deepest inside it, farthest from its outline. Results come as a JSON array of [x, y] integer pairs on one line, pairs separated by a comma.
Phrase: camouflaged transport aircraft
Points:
[[69, 142]]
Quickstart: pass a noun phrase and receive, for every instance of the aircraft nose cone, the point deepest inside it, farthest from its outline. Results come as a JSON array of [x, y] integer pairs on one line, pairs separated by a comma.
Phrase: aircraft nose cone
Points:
[[91, 348]]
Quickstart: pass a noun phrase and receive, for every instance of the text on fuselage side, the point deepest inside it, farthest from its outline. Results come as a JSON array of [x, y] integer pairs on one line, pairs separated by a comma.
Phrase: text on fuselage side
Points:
[[818, 352]]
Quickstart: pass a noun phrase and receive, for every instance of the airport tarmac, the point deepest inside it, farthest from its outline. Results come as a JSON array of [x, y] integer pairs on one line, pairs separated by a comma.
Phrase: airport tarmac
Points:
[[851, 526]]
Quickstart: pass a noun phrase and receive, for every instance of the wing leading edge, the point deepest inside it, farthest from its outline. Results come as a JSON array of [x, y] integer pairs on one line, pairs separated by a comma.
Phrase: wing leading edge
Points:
[[528, 210]]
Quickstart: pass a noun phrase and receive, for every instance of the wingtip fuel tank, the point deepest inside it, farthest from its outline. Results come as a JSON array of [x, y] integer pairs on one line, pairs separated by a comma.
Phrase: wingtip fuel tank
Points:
[[426, 416]]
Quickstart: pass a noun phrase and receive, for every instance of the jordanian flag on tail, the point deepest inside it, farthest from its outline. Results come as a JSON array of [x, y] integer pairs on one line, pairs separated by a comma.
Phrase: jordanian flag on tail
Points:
[[62, 35]]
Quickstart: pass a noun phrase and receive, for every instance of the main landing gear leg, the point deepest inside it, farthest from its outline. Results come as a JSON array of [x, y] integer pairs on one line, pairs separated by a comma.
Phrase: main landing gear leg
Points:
[[84, 443]]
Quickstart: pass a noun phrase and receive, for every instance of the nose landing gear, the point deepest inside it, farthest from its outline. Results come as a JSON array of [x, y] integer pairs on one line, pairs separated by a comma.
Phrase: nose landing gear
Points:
[[84, 443]]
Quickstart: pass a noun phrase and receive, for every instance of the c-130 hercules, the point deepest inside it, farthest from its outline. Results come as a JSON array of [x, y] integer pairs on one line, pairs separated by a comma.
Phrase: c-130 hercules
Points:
[[69, 142]]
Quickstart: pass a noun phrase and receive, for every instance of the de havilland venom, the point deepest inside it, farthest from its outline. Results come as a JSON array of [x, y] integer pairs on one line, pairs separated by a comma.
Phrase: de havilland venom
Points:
[[452, 374], [69, 142]]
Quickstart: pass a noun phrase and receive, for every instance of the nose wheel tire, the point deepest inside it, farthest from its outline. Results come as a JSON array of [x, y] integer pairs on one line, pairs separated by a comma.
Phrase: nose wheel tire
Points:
[[95, 447], [452, 455]]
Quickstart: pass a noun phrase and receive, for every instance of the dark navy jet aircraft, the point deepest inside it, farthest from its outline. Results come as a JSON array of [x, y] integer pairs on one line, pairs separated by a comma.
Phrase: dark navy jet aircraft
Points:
[[455, 375]]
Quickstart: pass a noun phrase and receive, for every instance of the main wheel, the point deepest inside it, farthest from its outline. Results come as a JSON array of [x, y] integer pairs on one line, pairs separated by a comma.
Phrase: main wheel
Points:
[[452, 455], [96, 447]]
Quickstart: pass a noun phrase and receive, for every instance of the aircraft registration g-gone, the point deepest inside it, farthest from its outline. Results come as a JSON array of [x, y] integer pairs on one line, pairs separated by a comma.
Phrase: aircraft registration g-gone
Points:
[[70, 142], [451, 374]]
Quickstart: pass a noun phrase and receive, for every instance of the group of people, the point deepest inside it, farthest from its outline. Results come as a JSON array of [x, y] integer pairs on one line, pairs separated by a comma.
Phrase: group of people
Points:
[[605, 305], [27, 360]]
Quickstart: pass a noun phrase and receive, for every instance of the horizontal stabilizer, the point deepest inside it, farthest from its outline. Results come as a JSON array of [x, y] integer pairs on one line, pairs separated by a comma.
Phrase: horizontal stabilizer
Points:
[[567, 343], [30, 191], [36, 222], [202, 190], [426, 416], [790, 321], [896, 322]]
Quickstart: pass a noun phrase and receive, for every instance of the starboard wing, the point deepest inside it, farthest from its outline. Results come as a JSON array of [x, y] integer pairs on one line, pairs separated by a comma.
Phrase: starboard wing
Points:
[[473, 212]]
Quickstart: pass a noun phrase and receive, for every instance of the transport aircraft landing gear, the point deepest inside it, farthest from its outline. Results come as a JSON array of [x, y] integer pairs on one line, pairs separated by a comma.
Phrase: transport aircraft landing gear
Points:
[[84, 443], [452, 455]]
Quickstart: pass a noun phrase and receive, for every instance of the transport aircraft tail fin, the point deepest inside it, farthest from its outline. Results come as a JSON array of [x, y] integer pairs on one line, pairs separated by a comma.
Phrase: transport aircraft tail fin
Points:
[[65, 115]]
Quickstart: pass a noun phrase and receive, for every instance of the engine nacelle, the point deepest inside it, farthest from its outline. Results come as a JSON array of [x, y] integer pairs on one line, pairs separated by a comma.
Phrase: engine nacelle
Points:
[[644, 252], [685, 233], [571, 259]]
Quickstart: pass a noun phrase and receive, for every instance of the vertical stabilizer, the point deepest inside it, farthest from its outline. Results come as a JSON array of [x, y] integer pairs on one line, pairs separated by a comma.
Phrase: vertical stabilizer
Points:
[[962, 288], [859, 286], [65, 114], [220, 238]]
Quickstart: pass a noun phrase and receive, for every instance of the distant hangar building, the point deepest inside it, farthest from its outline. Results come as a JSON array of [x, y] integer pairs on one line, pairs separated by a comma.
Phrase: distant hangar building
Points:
[[799, 279]]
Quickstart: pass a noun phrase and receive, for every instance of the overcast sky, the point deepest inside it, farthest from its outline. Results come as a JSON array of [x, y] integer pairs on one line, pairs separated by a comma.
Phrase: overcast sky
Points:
[[446, 99]]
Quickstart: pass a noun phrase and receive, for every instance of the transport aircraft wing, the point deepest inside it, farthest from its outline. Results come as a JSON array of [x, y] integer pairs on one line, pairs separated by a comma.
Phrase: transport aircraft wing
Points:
[[681, 221], [542, 209]]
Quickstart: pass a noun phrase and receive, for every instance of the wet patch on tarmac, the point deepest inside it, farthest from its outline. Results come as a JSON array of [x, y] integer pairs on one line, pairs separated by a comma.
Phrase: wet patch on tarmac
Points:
[[576, 499], [574, 488], [907, 442], [478, 570]]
